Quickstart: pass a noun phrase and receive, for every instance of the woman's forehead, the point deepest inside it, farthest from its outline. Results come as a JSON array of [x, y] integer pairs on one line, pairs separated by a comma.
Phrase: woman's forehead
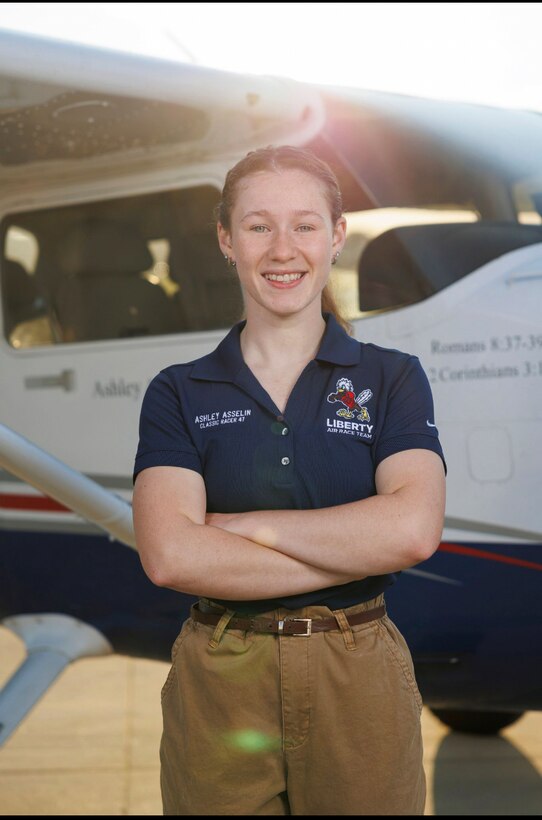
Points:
[[286, 189]]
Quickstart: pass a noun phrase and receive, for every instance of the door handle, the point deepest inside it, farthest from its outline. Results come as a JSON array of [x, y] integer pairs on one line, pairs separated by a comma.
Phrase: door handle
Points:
[[64, 379]]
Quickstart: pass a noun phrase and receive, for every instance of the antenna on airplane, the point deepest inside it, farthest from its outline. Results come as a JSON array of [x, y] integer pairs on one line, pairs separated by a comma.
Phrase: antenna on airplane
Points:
[[186, 52]]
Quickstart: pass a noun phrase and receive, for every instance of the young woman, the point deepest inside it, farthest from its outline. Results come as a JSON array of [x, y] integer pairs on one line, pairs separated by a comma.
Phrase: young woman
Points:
[[286, 479]]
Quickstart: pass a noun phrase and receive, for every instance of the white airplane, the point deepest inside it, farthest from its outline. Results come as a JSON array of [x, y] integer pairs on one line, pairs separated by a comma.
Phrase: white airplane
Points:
[[110, 166]]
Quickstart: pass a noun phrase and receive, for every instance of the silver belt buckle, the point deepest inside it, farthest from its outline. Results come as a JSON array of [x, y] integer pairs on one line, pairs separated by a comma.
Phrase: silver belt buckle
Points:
[[306, 634]]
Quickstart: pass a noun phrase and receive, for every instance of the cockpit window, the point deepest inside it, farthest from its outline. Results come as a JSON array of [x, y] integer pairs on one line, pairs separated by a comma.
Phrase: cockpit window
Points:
[[407, 263], [140, 266], [349, 277]]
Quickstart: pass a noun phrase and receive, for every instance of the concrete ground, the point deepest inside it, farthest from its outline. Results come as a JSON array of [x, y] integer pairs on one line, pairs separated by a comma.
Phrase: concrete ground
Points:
[[90, 747]]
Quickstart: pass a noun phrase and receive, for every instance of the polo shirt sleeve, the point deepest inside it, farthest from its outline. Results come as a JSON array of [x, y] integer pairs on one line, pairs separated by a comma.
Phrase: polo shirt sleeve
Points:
[[409, 420], [164, 439]]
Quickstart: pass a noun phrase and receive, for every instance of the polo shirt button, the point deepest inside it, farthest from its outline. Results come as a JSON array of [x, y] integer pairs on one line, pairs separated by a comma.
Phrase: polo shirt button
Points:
[[285, 461], [284, 431]]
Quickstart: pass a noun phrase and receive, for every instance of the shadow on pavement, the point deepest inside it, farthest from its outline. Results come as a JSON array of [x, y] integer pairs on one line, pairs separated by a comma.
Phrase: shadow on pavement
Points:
[[475, 775]]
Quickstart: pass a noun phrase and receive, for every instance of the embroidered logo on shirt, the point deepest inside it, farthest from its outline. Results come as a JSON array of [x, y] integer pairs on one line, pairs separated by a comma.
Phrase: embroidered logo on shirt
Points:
[[353, 407], [352, 403]]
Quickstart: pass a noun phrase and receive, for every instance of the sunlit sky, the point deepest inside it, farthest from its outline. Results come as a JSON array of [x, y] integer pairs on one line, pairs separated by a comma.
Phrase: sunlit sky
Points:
[[476, 52]]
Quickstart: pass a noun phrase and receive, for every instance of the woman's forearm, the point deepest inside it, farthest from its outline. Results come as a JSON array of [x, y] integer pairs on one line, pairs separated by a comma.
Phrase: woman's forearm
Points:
[[178, 550], [395, 529], [361, 538], [210, 562], [329, 537]]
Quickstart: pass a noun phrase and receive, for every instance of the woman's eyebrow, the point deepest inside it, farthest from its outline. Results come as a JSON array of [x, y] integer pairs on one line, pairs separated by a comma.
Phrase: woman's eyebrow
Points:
[[295, 213], [255, 213], [308, 213]]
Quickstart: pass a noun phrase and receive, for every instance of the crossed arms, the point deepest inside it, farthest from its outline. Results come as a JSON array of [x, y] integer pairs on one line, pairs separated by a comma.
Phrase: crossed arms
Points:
[[264, 554]]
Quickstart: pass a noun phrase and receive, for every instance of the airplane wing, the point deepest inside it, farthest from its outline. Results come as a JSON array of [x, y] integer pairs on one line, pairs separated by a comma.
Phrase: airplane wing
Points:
[[277, 106]]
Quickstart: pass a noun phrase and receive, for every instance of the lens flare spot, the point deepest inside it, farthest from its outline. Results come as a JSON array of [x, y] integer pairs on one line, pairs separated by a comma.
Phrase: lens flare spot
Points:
[[251, 741]]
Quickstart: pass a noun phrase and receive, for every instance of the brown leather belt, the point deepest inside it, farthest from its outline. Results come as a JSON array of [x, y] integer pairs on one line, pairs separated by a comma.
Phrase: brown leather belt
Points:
[[288, 626]]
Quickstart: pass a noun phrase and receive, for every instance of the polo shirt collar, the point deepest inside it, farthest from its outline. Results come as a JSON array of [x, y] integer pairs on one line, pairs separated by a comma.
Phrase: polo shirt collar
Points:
[[337, 347], [226, 362]]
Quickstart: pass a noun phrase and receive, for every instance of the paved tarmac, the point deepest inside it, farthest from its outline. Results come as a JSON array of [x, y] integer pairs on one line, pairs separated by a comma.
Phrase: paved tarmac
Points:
[[90, 747]]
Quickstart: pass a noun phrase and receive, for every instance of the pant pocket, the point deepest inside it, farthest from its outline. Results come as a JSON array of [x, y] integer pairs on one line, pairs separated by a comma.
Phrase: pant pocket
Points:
[[185, 629], [400, 653]]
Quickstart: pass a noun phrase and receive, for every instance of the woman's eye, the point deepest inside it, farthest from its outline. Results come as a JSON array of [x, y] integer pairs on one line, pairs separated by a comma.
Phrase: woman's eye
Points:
[[259, 228], [305, 228]]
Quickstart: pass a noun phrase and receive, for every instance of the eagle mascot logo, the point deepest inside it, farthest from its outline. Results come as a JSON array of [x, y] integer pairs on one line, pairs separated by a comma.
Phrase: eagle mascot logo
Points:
[[352, 404]]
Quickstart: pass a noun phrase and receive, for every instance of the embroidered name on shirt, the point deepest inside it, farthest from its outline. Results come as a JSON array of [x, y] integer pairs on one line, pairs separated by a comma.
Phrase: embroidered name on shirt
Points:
[[221, 417]]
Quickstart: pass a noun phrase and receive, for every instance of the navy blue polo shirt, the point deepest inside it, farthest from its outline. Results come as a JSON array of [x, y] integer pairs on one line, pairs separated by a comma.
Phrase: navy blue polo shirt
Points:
[[353, 405]]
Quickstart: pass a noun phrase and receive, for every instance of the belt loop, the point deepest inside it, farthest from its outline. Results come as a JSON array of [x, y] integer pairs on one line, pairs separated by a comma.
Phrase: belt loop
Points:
[[346, 629], [220, 627]]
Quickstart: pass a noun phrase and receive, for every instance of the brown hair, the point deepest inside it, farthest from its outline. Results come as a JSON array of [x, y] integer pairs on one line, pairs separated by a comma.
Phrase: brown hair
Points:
[[275, 159]]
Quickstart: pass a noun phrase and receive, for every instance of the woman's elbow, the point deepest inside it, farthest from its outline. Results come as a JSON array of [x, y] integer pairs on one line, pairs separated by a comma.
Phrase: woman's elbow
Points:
[[155, 571], [153, 563], [425, 541], [426, 525], [166, 548], [164, 567]]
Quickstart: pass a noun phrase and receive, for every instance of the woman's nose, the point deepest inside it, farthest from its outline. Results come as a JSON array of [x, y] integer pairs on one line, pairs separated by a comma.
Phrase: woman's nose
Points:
[[283, 246]]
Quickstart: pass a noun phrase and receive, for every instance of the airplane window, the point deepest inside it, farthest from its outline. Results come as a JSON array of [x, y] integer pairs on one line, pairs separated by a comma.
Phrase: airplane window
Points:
[[138, 266], [528, 200], [22, 246], [407, 264], [365, 226], [395, 257], [24, 312]]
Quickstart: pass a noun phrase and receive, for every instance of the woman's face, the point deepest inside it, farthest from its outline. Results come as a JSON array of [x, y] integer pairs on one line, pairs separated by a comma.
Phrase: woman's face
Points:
[[282, 239]]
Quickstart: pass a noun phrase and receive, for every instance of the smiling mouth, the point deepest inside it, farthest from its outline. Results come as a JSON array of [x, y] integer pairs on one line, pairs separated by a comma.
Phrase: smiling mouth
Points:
[[285, 278]]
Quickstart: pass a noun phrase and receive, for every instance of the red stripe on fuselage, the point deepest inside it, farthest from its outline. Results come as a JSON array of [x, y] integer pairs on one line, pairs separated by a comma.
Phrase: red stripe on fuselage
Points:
[[461, 549], [10, 501]]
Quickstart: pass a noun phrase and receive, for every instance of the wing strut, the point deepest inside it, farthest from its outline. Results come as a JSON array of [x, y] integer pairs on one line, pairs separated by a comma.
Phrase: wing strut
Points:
[[52, 642], [53, 477]]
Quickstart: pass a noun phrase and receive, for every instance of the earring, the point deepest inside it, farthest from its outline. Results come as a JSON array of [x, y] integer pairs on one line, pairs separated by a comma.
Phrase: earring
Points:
[[335, 257], [231, 262]]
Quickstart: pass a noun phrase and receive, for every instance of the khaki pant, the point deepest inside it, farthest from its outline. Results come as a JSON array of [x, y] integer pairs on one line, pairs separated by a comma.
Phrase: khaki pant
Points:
[[259, 724]]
